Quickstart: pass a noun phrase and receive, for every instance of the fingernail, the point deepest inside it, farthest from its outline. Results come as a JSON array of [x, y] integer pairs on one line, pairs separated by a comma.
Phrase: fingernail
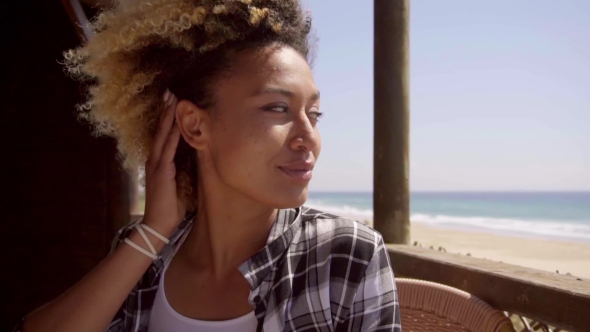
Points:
[[166, 96], [171, 98]]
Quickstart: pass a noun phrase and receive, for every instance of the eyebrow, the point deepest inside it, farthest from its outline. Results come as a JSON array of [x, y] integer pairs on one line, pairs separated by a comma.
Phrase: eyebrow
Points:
[[284, 92]]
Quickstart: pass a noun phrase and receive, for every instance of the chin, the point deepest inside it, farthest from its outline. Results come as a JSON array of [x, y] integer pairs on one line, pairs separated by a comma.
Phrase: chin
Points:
[[287, 199]]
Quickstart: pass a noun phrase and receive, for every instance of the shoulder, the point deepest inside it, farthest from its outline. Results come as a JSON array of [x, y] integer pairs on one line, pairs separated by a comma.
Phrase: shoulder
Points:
[[342, 236]]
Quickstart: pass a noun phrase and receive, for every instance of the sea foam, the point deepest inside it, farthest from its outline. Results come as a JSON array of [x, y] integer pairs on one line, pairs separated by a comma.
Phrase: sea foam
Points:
[[539, 228]]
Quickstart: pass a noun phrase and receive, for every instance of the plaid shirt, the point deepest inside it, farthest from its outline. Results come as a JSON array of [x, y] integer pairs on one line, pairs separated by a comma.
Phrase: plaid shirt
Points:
[[318, 272]]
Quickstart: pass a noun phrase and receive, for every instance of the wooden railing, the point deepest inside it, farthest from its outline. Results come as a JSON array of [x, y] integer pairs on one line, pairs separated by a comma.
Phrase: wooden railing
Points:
[[559, 300]]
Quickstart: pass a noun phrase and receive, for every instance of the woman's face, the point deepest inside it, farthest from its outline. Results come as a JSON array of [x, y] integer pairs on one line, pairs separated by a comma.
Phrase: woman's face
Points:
[[263, 140]]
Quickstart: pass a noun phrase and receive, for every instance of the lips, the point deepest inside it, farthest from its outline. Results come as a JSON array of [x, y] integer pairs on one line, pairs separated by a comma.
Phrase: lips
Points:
[[301, 171]]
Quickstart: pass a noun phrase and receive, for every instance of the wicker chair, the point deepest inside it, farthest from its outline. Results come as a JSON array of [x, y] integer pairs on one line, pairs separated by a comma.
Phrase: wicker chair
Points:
[[432, 307]]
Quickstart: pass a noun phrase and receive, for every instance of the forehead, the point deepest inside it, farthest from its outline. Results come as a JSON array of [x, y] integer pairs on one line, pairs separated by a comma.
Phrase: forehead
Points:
[[274, 65]]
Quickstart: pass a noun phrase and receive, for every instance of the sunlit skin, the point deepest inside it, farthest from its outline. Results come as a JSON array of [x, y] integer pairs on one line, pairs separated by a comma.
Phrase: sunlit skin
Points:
[[256, 151]]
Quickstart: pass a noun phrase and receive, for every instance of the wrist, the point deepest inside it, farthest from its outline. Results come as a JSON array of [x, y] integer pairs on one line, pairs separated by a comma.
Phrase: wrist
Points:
[[136, 238], [156, 234], [166, 230]]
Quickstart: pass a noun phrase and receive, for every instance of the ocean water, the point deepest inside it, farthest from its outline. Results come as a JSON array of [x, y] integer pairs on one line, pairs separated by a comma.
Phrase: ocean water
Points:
[[563, 215]]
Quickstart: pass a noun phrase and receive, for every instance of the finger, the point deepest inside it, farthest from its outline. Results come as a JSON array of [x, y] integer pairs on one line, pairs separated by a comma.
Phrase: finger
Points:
[[166, 95], [165, 103], [160, 134], [171, 145], [164, 127]]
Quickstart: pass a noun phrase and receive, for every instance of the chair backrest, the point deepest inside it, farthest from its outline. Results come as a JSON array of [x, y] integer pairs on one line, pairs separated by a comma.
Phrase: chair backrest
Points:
[[428, 306]]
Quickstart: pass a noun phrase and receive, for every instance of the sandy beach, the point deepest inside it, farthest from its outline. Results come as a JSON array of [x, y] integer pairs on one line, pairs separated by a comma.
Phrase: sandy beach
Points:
[[549, 255]]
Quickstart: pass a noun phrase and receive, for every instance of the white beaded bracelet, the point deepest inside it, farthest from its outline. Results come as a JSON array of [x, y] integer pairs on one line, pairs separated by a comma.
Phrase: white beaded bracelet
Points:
[[153, 253], [154, 233], [140, 249]]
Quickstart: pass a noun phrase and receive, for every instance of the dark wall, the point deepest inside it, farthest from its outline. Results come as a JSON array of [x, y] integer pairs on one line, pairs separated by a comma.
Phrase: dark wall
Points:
[[63, 193]]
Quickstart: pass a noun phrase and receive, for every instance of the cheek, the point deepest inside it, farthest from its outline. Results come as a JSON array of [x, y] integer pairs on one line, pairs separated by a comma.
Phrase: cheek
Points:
[[247, 152]]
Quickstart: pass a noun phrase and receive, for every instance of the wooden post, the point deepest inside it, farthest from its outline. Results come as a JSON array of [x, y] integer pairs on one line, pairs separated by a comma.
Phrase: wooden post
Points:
[[391, 199]]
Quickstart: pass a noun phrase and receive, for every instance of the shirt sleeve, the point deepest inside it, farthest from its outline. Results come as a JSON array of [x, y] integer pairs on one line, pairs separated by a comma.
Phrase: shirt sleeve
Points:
[[123, 233], [375, 306]]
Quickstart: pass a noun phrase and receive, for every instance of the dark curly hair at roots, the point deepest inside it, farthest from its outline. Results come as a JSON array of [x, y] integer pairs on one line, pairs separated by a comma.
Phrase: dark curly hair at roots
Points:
[[141, 48]]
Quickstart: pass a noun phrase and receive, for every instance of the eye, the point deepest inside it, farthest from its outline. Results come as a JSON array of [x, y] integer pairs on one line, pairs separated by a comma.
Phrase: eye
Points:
[[315, 114], [276, 108]]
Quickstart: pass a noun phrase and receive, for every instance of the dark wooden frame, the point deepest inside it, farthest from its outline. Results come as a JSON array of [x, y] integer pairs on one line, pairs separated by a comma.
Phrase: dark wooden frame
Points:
[[126, 188]]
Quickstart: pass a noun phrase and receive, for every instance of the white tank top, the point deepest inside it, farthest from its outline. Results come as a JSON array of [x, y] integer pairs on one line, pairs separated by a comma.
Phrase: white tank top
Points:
[[164, 318]]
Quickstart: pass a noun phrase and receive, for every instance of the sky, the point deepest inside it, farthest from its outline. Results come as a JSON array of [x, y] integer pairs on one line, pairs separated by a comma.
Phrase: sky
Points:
[[499, 99]]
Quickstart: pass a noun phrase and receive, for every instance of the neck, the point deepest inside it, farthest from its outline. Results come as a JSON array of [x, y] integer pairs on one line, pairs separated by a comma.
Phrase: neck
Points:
[[228, 230]]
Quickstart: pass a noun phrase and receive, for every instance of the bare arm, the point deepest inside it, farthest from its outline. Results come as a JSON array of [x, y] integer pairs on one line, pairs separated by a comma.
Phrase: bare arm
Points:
[[91, 304]]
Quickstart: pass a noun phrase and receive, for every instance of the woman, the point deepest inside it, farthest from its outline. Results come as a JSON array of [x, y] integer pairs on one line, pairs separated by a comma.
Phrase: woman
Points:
[[217, 100]]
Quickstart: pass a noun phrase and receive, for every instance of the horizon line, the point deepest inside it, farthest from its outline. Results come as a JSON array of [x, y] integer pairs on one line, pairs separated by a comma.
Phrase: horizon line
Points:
[[460, 191]]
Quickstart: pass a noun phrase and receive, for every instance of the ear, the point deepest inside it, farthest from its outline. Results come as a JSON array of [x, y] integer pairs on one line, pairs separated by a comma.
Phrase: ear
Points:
[[194, 124]]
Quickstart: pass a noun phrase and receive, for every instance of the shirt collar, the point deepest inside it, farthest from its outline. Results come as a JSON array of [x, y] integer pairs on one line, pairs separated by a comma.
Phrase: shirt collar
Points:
[[280, 237]]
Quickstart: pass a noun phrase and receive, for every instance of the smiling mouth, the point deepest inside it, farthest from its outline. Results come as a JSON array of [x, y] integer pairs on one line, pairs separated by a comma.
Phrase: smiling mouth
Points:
[[298, 174]]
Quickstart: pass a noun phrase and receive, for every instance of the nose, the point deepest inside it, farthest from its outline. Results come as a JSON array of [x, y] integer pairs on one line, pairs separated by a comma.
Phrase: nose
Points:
[[305, 135]]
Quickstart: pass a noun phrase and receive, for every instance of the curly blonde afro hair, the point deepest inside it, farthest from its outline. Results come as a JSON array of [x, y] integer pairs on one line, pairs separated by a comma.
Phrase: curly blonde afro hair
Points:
[[141, 48]]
